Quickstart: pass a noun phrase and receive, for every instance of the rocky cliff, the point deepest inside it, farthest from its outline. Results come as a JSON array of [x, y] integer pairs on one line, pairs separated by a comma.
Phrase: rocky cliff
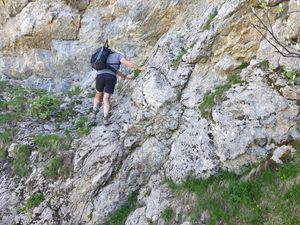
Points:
[[216, 96]]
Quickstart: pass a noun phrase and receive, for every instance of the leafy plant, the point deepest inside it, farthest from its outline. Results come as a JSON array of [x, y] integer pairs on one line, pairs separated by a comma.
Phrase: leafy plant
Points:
[[290, 75], [34, 200], [44, 107]]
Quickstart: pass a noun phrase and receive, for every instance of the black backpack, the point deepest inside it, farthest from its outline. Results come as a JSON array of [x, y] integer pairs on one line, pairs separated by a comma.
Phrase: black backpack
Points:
[[98, 59]]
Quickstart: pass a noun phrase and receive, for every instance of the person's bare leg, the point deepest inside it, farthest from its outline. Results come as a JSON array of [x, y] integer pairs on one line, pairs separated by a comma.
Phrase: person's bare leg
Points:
[[97, 100], [106, 103], [106, 107], [96, 103]]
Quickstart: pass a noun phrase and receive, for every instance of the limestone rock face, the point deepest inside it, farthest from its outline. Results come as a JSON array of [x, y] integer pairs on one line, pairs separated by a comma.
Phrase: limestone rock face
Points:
[[157, 131]]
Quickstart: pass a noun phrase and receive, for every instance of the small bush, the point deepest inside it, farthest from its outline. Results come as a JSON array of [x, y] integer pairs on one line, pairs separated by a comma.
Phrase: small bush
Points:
[[54, 168], [34, 201], [44, 107], [20, 162]]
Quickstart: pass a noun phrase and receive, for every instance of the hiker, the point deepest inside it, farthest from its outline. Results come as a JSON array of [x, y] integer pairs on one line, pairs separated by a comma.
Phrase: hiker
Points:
[[106, 80]]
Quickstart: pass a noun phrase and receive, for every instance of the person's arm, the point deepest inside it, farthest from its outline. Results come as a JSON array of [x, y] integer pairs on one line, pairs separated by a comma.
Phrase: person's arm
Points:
[[119, 73], [131, 65]]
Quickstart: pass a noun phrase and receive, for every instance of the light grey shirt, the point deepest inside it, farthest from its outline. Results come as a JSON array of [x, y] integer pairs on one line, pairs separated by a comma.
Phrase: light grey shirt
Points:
[[112, 58]]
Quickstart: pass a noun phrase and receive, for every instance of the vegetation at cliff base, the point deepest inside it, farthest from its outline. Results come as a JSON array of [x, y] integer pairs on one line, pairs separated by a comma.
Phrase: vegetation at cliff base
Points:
[[272, 197]]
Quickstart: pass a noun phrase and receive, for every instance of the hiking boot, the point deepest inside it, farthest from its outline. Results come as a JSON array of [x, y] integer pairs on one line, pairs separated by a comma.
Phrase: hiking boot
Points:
[[105, 121]]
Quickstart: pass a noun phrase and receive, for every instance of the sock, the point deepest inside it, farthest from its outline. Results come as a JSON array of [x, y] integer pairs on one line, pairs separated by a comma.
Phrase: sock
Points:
[[105, 114]]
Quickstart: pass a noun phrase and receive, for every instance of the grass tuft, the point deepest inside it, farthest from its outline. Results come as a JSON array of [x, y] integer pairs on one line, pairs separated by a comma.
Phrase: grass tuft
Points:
[[168, 214], [34, 200], [120, 215], [211, 17], [20, 162], [211, 98], [54, 168]]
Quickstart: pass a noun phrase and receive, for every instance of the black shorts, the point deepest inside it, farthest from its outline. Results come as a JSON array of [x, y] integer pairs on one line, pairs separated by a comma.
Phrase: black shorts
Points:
[[106, 83]]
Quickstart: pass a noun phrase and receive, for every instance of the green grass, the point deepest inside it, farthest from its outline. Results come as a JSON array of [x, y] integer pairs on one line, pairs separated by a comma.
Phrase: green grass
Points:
[[20, 162], [120, 215], [268, 199], [6, 138], [264, 65], [211, 98], [54, 168], [82, 126], [51, 143], [34, 200], [289, 170], [136, 73], [168, 214], [211, 17], [75, 91], [175, 62]]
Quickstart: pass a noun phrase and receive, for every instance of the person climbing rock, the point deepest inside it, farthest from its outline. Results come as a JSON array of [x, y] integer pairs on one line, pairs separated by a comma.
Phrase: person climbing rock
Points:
[[106, 80]]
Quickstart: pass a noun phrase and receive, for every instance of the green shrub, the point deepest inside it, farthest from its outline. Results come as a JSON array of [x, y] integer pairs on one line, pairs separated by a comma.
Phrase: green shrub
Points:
[[54, 168], [168, 214], [120, 215], [34, 200], [20, 161], [44, 107]]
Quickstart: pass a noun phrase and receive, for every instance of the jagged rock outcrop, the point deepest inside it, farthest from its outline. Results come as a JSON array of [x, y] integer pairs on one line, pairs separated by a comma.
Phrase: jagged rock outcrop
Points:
[[158, 131]]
